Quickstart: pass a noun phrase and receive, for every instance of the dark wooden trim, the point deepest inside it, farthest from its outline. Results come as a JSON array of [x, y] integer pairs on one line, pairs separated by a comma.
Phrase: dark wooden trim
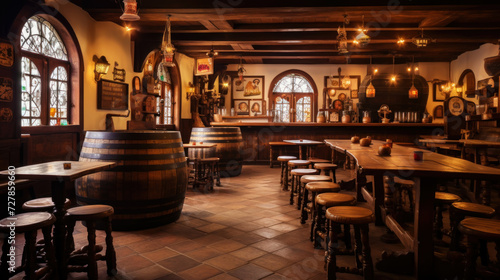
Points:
[[471, 87]]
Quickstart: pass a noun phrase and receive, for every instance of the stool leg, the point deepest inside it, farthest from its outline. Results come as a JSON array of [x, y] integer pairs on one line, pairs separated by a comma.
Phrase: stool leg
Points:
[[110, 250], [331, 259], [367, 256], [303, 215], [334, 176], [298, 186], [30, 248], [285, 185], [4, 267], [471, 257], [281, 176], [49, 251], [217, 173], [358, 247], [271, 156], [439, 222], [70, 243], [483, 252], [347, 237], [455, 219], [292, 189], [92, 264]]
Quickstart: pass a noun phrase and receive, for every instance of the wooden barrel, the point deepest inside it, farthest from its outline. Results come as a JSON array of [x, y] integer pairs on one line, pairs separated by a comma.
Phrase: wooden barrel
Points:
[[229, 147], [148, 185]]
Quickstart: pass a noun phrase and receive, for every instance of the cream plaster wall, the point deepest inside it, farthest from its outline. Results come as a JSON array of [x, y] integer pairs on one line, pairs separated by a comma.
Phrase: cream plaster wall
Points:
[[186, 69]]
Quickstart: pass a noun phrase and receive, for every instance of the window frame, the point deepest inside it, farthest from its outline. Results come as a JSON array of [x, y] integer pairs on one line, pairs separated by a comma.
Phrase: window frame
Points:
[[294, 96]]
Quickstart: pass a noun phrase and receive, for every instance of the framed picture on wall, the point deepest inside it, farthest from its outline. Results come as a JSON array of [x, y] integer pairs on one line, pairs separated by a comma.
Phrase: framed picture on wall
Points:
[[257, 107], [337, 83], [438, 112], [204, 66], [437, 93], [250, 87], [241, 106], [354, 94]]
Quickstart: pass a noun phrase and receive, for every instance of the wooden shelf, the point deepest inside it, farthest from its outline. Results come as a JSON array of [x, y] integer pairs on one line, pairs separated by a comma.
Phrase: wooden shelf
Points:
[[494, 117], [247, 117]]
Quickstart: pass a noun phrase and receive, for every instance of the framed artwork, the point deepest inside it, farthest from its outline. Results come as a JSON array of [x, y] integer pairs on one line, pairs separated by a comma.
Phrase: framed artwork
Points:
[[338, 105], [6, 115], [483, 83], [112, 95], [342, 95], [257, 107], [204, 66], [336, 82], [6, 90], [354, 94], [437, 93], [438, 112], [250, 87], [6, 54], [136, 85], [241, 106], [471, 108]]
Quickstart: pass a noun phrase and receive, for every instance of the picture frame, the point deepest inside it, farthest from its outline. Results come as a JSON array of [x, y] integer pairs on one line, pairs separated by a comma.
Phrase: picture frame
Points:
[[354, 94], [112, 95], [334, 82], [250, 87], [338, 105], [242, 106], [204, 66], [438, 112], [136, 85], [6, 54], [6, 89], [437, 93], [257, 107]]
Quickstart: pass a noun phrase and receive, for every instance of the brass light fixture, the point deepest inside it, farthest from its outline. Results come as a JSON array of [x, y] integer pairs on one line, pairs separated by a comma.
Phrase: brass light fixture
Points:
[[101, 67], [413, 92], [130, 11], [190, 91], [342, 37], [167, 46], [393, 77], [370, 90], [241, 69], [421, 41], [362, 39], [212, 53]]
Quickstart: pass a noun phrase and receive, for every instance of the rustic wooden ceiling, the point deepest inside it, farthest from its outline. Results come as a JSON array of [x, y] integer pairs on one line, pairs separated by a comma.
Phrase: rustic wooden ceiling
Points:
[[295, 32]]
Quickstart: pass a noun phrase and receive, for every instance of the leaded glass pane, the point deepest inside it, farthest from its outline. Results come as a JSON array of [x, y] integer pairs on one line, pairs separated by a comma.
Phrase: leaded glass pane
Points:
[[303, 108], [293, 83], [30, 93], [282, 110], [58, 96], [39, 36]]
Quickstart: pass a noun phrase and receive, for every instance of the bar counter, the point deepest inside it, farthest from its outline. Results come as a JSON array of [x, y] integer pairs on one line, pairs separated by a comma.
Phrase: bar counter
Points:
[[257, 135]]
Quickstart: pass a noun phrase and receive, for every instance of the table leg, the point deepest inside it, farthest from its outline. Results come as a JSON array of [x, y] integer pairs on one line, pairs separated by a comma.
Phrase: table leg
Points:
[[300, 152], [378, 196], [424, 217], [59, 197]]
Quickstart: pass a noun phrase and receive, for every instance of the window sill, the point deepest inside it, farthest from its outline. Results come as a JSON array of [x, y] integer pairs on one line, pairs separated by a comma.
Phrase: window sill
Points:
[[50, 129]]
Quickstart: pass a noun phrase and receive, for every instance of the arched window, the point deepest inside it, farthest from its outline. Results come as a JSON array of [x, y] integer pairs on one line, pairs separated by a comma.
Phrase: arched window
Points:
[[294, 97], [165, 103], [45, 70]]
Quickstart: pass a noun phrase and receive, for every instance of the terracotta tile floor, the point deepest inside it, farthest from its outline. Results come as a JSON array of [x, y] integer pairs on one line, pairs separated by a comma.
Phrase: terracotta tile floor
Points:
[[245, 229]]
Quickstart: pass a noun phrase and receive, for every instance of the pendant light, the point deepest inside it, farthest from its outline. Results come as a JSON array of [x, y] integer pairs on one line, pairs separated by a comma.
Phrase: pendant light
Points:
[[342, 37], [362, 39], [212, 53], [421, 41], [413, 92], [370, 90], [130, 11], [167, 46], [346, 80], [393, 77], [448, 87], [241, 69]]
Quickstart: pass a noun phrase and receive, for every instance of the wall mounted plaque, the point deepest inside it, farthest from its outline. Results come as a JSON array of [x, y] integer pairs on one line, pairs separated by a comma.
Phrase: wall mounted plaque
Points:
[[6, 91], [112, 95], [6, 115], [6, 54]]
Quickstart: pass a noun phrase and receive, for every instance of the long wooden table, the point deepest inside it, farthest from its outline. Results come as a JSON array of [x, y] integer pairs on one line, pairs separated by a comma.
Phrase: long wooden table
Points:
[[55, 173], [425, 174]]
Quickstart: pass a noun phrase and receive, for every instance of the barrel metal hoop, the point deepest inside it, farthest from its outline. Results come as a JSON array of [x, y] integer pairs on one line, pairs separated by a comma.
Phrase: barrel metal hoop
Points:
[[131, 146], [133, 135], [132, 157], [146, 168], [215, 141]]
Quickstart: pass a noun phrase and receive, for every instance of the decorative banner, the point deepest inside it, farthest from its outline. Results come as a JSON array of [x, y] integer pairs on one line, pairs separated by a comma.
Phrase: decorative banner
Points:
[[6, 115], [6, 54], [6, 91]]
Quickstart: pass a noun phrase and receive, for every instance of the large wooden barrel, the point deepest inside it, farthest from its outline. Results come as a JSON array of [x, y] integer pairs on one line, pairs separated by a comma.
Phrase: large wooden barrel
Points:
[[229, 147], [148, 185]]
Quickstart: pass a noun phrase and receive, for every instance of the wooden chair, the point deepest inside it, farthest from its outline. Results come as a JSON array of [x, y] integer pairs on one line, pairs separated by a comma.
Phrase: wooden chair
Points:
[[29, 223], [284, 170], [360, 218], [86, 258], [477, 229]]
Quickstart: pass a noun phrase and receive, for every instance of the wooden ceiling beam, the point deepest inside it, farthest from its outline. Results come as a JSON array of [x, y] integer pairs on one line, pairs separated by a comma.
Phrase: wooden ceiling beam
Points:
[[437, 21]]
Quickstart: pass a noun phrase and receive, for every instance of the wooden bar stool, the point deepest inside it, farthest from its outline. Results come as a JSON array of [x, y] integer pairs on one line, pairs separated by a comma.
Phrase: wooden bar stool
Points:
[[296, 174], [317, 160], [29, 223], [477, 229], [360, 218], [440, 200], [206, 172], [284, 170], [303, 197], [43, 204], [315, 188], [277, 145], [87, 255], [327, 167], [458, 212], [320, 227]]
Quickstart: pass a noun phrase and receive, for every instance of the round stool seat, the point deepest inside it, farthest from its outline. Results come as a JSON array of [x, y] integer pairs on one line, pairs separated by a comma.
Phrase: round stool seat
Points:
[[321, 187], [482, 228], [43, 204], [90, 212], [28, 221], [335, 199], [349, 215], [325, 166], [405, 182], [210, 159], [443, 197], [286, 158], [318, 160], [303, 171], [473, 209], [315, 178], [298, 162]]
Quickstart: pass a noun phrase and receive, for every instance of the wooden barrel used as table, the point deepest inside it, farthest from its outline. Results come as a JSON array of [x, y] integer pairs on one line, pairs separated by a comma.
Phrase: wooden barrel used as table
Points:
[[148, 185], [229, 147]]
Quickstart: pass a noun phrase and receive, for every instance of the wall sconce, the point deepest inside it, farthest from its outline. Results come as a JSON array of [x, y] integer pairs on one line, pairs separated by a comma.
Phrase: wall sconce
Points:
[[190, 91], [101, 67]]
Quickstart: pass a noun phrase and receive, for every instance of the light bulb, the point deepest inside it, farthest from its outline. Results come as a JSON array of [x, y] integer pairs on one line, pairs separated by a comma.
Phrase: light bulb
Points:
[[393, 78]]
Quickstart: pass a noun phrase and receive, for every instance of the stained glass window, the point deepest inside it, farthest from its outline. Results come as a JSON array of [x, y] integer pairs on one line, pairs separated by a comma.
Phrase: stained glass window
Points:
[[39, 36], [165, 105], [59, 96], [293, 83], [282, 110], [303, 109], [31, 102], [293, 101]]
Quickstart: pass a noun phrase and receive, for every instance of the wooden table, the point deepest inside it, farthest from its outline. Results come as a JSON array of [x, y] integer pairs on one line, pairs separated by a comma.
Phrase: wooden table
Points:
[[309, 144], [424, 174], [59, 177]]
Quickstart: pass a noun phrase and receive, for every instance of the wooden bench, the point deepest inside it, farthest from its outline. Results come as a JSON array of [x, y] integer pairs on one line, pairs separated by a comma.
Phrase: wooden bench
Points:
[[276, 145]]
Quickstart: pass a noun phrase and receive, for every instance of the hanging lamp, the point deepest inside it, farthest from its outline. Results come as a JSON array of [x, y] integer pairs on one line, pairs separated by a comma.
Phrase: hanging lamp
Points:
[[370, 90], [421, 41], [167, 46], [342, 37], [393, 78], [241, 69], [130, 11], [362, 39], [212, 53], [413, 92]]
